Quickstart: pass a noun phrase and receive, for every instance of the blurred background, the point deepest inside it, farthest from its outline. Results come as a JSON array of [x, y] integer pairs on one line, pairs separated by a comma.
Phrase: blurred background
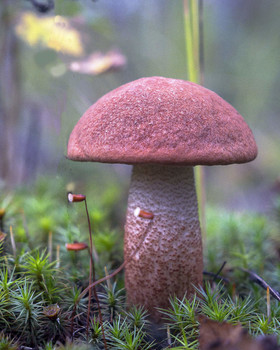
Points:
[[56, 61]]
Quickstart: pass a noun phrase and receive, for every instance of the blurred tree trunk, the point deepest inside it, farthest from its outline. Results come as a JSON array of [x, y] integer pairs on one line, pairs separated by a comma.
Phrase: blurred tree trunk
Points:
[[10, 93], [32, 147]]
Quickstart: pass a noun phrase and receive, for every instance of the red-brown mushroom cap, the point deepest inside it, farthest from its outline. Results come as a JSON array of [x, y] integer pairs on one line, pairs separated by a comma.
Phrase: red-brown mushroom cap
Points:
[[162, 120]]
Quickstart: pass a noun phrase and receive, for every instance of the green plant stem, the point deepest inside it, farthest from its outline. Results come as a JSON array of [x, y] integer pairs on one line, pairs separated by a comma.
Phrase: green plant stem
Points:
[[189, 42], [201, 41], [193, 42], [195, 25]]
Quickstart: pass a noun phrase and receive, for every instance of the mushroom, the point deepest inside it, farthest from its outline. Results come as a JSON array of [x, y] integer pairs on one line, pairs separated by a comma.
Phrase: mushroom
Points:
[[163, 127]]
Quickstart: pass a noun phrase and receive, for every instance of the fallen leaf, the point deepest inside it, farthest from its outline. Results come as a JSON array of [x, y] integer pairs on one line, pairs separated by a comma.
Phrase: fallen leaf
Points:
[[2, 236], [2, 212], [215, 335], [54, 32], [98, 63]]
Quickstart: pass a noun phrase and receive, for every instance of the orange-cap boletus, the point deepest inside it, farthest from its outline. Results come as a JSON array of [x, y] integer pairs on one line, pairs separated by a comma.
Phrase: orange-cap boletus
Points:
[[163, 127]]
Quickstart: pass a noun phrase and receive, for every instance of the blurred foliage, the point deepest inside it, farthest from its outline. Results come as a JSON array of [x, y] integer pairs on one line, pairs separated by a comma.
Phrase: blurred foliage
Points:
[[247, 240], [52, 32], [240, 54], [230, 235]]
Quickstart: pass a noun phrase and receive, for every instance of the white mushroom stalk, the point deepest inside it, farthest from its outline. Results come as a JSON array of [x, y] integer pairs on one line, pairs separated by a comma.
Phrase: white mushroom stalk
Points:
[[170, 260]]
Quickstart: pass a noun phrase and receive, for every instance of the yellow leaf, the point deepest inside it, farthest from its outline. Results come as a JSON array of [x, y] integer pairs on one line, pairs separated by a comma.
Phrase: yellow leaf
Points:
[[98, 63], [54, 32]]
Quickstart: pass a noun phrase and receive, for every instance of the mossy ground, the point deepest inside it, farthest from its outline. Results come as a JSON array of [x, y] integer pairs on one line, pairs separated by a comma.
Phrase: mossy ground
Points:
[[40, 281]]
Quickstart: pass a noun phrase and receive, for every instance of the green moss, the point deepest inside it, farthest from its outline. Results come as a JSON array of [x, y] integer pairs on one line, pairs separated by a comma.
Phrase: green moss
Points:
[[43, 274]]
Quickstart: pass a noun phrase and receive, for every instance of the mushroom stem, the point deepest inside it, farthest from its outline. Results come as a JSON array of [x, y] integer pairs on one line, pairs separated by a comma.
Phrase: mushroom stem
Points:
[[170, 260]]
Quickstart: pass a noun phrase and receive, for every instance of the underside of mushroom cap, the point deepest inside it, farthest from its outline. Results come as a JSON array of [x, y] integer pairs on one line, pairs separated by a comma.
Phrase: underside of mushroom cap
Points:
[[161, 120]]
